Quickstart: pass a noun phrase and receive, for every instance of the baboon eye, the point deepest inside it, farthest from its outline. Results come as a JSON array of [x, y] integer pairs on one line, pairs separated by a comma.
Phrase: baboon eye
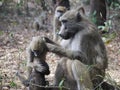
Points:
[[64, 21], [60, 11]]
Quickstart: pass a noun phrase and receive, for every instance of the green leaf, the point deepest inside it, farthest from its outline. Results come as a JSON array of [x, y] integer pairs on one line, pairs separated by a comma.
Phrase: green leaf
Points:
[[13, 84], [61, 82], [107, 38]]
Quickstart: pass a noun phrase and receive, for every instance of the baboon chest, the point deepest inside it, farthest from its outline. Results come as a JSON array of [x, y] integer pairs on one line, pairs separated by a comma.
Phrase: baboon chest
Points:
[[73, 44]]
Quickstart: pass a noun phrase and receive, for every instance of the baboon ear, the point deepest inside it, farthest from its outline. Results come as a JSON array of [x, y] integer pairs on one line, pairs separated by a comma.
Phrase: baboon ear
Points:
[[81, 10]]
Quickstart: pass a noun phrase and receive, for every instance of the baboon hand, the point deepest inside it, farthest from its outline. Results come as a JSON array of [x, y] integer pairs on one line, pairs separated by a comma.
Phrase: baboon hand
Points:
[[47, 40], [42, 69]]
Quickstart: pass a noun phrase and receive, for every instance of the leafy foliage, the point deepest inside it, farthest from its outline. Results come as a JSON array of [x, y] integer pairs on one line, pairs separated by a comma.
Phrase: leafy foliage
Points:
[[108, 25], [93, 17], [114, 4], [61, 82], [13, 84]]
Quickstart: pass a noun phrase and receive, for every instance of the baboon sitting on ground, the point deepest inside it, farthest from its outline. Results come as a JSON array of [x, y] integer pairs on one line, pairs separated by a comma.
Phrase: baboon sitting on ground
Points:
[[81, 41]]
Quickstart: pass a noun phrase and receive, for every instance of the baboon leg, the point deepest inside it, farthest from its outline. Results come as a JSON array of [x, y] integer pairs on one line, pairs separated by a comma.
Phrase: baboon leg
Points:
[[58, 75]]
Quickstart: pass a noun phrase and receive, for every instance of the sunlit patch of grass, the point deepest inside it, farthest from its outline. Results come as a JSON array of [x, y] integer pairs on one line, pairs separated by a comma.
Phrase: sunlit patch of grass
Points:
[[107, 38]]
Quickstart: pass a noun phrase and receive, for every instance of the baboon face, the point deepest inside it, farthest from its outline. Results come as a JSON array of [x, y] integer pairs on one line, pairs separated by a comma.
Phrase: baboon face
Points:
[[70, 24], [37, 46], [60, 10]]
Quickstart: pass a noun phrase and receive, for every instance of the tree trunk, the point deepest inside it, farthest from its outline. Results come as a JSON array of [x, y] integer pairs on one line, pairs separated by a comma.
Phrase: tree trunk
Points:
[[98, 11]]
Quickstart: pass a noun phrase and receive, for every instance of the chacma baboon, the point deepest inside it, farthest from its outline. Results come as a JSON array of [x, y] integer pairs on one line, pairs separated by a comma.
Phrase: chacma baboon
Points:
[[60, 10], [36, 52], [68, 72], [36, 25], [61, 6], [40, 22], [37, 67], [64, 3], [81, 41]]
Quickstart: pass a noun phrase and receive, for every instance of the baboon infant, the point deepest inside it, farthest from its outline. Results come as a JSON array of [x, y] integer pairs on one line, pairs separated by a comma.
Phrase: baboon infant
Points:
[[36, 52], [37, 67]]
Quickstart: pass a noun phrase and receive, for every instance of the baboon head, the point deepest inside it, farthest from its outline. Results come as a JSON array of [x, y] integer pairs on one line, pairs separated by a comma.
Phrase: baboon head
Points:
[[37, 46], [70, 21], [60, 10]]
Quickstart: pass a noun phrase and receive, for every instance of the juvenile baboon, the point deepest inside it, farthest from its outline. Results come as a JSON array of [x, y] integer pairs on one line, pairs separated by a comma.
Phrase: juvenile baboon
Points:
[[64, 3], [61, 6], [81, 41], [37, 67], [36, 24], [36, 52], [40, 22], [60, 10]]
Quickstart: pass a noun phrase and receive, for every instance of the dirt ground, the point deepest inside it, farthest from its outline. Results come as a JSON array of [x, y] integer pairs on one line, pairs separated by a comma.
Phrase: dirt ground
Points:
[[15, 35]]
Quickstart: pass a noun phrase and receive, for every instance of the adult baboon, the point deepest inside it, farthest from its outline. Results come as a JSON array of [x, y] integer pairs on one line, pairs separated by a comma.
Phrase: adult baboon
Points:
[[67, 72], [81, 41], [37, 67], [60, 10]]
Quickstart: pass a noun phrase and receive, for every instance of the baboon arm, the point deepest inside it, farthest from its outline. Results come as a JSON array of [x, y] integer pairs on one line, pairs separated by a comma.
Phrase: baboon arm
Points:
[[57, 49], [42, 68], [67, 53], [30, 58], [29, 55], [47, 40]]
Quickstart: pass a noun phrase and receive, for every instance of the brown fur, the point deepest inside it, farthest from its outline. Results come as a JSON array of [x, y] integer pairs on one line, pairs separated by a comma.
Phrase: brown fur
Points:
[[37, 67], [81, 41], [60, 10]]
